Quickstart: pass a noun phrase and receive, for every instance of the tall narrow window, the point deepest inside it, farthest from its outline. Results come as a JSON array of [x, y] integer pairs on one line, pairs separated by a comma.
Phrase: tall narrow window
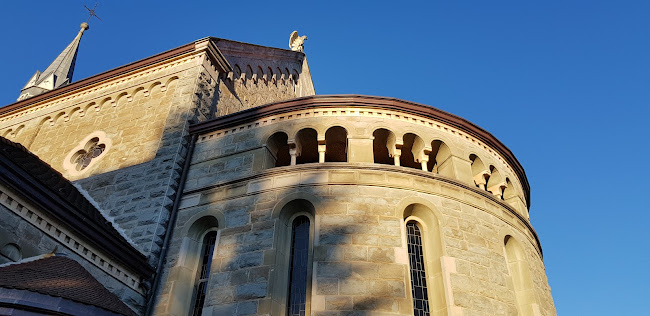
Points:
[[418, 275], [201, 287], [296, 306]]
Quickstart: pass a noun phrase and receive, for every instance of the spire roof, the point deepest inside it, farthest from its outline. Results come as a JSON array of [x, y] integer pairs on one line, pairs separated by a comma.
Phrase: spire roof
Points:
[[58, 73]]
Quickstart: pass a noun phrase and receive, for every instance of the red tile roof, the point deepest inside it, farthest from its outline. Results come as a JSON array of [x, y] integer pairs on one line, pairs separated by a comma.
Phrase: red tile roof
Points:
[[62, 277]]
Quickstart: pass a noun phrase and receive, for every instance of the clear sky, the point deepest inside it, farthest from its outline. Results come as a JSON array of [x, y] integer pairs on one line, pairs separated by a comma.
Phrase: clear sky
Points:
[[564, 84]]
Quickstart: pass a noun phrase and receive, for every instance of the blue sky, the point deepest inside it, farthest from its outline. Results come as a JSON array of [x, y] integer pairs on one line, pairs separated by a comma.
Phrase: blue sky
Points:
[[564, 84]]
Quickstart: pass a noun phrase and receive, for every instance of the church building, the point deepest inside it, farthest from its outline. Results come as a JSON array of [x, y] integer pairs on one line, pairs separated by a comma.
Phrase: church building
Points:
[[211, 179]]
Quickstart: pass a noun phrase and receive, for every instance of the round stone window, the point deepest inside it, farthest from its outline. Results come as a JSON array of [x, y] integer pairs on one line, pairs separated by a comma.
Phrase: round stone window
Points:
[[90, 150]]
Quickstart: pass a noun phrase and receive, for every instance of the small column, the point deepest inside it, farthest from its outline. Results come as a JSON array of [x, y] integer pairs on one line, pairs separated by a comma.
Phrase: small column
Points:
[[425, 160], [398, 153], [321, 153], [293, 153], [424, 163], [321, 150], [479, 179]]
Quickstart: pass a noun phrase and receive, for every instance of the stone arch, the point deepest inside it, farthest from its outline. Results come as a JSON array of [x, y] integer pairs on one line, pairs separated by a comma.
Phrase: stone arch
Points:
[[260, 74], [383, 145], [137, 92], [184, 273], [10, 252], [280, 75], [153, 85], [428, 224], [88, 106], [108, 100], [249, 73], [60, 115], [480, 173], [306, 150], [520, 277], [336, 144], [509, 191], [440, 159], [76, 110], [46, 119], [237, 72], [269, 75], [279, 286], [412, 152], [496, 183], [121, 99], [18, 130], [7, 133], [278, 149]]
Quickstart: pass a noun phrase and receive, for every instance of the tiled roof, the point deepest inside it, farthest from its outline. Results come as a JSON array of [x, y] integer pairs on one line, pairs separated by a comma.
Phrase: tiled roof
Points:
[[61, 277]]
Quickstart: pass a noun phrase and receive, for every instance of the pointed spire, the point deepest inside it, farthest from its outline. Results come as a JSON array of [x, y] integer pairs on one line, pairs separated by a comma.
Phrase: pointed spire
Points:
[[58, 74]]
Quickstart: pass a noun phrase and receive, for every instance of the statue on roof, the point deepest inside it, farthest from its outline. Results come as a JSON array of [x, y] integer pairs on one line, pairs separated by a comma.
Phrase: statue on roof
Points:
[[296, 43]]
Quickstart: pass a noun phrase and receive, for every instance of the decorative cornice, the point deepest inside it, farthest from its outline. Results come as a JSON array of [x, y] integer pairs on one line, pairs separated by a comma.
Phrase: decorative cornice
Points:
[[209, 45], [187, 48], [372, 102]]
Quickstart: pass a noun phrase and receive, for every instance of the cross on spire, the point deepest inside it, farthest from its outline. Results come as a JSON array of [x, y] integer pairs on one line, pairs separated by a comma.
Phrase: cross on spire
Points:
[[91, 12]]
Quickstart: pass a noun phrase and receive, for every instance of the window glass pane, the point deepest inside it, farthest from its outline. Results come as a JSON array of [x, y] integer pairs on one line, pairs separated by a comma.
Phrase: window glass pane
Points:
[[418, 276], [298, 267], [204, 272]]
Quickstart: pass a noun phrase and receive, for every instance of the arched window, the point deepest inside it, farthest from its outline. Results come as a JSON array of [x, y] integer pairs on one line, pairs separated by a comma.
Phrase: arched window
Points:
[[412, 151], [203, 275], [291, 283], [298, 267], [383, 146], [417, 267], [496, 183], [191, 272], [425, 250], [306, 146], [336, 141], [279, 150], [520, 277], [479, 172], [439, 159]]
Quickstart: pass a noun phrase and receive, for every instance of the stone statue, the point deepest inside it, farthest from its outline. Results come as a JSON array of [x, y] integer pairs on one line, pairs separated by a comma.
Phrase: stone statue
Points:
[[296, 42]]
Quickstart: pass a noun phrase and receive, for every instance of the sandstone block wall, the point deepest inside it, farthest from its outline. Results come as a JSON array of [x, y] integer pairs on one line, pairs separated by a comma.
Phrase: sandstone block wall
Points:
[[359, 259]]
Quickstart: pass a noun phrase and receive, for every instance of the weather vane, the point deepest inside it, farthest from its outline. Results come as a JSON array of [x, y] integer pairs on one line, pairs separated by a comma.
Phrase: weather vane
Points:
[[92, 12]]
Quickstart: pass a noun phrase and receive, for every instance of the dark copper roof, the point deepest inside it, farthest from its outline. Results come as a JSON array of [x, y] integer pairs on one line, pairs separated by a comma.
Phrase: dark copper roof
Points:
[[61, 277], [47, 188]]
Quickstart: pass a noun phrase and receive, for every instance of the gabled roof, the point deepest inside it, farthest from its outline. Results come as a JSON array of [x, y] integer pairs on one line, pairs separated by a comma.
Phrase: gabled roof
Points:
[[63, 277], [45, 187]]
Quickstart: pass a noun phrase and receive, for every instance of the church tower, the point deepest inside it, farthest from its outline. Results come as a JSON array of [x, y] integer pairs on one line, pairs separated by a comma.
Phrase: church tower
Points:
[[58, 74]]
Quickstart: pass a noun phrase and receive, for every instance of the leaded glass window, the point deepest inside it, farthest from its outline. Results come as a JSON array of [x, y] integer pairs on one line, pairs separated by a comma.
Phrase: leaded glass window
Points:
[[204, 272], [418, 275], [296, 306]]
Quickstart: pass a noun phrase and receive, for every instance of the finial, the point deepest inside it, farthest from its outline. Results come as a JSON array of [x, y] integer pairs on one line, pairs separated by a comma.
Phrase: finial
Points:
[[296, 43], [84, 26]]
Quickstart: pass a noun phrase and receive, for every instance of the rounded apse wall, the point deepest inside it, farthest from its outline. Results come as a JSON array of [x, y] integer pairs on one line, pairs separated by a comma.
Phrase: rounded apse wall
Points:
[[344, 205]]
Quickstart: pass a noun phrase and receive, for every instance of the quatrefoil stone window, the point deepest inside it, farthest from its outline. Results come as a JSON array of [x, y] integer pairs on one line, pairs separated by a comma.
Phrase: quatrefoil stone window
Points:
[[83, 157], [87, 153]]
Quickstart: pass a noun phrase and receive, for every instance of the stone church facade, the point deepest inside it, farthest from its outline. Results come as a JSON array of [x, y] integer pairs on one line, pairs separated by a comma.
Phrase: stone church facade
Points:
[[224, 185]]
